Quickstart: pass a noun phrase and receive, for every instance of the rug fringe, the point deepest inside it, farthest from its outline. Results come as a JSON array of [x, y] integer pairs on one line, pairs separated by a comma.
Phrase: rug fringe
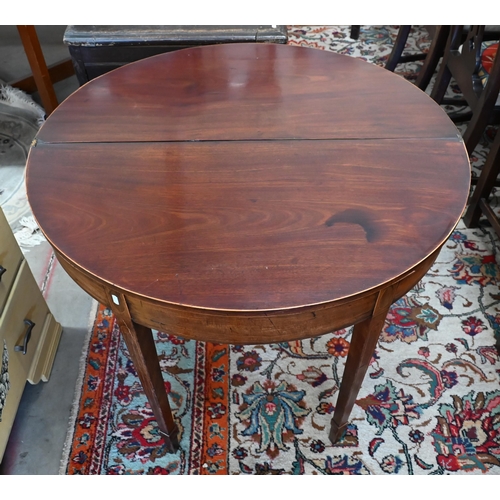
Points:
[[78, 390], [18, 99], [28, 235]]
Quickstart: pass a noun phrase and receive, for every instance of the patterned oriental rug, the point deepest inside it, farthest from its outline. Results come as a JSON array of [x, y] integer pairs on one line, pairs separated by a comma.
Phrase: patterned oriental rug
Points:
[[20, 120], [430, 403]]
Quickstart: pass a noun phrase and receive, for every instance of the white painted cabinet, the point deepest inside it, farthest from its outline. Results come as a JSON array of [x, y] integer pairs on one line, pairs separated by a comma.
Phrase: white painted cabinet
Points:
[[29, 334]]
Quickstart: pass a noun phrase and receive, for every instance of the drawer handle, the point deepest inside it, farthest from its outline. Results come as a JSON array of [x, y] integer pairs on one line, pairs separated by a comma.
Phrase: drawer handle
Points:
[[27, 335], [2, 270]]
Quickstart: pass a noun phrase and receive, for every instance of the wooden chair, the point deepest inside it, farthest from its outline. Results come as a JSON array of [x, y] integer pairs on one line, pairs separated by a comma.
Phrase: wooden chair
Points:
[[462, 62], [431, 58], [43, 77], [478, 204]]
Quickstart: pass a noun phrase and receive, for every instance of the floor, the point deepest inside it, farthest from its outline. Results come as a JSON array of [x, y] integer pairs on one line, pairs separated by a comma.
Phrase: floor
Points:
[[37, 439]]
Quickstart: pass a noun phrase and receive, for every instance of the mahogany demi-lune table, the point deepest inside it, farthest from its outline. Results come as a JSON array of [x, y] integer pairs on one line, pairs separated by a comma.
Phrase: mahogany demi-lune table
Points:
[[248, 194]]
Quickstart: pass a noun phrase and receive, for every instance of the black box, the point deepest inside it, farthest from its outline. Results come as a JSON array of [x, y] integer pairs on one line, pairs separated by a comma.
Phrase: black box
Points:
[[95, 50]]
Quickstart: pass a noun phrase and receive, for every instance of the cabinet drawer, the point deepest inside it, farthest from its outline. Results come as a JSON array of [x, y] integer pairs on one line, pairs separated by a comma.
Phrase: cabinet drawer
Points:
[[25, 303], [10, 259]]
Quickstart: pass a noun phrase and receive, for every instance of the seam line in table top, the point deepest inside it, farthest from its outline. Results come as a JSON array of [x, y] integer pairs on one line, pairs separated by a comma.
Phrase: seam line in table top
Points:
[[41, 142]]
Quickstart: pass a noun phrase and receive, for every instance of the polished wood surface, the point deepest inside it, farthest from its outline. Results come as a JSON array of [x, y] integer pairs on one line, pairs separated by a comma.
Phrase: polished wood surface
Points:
[[223, 225], [243, 92], [259, 193]]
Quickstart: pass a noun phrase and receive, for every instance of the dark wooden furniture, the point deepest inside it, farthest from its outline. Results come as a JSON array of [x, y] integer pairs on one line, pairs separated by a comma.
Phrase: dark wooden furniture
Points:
[[439, 36], [95, 50], [246, 194], [462, 61], [355, 30], [43, 77], [478, 204]]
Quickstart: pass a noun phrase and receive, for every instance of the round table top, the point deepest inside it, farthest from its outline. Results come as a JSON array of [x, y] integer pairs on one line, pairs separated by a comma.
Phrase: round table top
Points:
[[248, 177]]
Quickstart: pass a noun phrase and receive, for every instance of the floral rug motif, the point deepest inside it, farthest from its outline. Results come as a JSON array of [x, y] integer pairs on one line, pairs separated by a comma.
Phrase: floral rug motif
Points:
[[429, 405]]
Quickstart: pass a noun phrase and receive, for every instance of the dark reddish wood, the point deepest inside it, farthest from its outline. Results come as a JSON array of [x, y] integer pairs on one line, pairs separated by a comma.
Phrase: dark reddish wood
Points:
[[141, 346], [256, 194], [364, 340], [223, 225], [38, 66], [248, 327], [246, 91]]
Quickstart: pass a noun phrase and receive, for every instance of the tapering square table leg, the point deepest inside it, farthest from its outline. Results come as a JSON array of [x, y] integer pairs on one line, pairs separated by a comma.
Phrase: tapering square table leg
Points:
[[364, 340], [141, 345]]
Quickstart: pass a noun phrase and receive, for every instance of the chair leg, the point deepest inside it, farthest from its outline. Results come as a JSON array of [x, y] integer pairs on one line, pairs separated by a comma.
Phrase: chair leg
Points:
[[444, 74], [38, 66], [436, 51], [484, 185], [355, 32], [398, 47], [484, 107]]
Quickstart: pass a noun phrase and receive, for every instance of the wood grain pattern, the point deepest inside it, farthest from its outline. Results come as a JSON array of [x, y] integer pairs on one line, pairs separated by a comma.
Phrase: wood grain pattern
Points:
[[248, 194], [247, 91], [244, 225], [248, 327]]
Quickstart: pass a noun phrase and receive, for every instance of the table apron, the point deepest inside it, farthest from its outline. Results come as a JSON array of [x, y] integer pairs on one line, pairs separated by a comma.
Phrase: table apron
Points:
[[251, 327]]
